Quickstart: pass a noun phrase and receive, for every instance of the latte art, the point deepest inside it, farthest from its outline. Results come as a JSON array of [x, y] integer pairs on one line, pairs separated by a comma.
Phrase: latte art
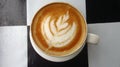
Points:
[[58, 29], [58, 33]]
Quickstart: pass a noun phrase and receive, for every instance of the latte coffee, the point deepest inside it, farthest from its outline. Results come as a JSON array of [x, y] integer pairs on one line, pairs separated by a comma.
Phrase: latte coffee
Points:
[[58, 29]]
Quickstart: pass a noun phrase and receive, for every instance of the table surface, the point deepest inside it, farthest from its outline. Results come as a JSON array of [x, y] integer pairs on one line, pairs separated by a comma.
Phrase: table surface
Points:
[[103, 17]]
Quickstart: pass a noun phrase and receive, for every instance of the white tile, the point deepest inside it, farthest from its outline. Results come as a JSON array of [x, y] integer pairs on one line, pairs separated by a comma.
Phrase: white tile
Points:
[[107, 52], [34, 5], [13, 46]]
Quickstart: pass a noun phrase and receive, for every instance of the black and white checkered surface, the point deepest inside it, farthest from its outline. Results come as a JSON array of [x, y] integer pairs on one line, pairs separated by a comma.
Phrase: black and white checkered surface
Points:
[[103, 18]]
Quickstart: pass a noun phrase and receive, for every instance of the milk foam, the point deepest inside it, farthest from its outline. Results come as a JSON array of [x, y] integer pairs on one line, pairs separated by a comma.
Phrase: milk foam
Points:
[[59, 33]]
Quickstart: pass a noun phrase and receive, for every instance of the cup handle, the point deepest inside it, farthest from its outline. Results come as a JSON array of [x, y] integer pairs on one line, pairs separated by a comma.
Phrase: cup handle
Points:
[[92, 39]]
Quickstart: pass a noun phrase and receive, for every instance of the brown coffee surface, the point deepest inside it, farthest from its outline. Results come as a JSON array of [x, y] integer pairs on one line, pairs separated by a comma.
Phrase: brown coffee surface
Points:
[[58, 29]]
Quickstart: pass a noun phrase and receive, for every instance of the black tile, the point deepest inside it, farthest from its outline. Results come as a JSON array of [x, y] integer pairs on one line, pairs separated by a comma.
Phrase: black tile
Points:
[[34, 60], [12, 12], [103, 11]]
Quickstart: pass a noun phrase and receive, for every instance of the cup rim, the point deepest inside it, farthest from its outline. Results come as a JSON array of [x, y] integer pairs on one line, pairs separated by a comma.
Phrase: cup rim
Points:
[[38, 50]]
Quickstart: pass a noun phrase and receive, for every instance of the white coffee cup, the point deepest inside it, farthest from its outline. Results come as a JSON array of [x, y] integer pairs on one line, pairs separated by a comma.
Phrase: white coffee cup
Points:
[[90, 38]]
